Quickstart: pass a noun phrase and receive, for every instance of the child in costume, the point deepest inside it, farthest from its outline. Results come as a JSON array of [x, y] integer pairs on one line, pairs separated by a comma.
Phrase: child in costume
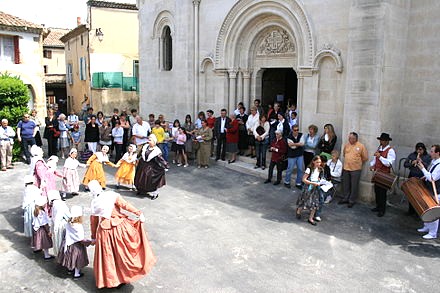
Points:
[[42, 237], [127, 167], [73, 254], [71, 180], [31, 194], [96, 170]]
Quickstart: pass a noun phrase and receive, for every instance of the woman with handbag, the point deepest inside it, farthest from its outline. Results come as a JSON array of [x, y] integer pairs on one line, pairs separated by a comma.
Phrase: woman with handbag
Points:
[[150, 172], [309, 198], [261, 134], [204, 137], [51, 132]]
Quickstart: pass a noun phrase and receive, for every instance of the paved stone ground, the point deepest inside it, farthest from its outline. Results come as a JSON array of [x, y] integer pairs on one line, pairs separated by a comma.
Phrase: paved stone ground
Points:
[[219, 230]]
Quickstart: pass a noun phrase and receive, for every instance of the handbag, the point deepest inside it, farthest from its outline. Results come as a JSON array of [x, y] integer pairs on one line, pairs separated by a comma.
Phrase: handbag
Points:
[[56, 133]]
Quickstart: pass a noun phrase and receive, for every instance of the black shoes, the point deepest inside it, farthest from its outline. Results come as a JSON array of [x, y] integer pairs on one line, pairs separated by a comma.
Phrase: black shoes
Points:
[[287, 185], [299, 186], [230, 162], [312, 222], [375, 209], [342, 201], [276, 182], [263, 167], [256, 167], [267, 181], [350, 205], [380, 214]]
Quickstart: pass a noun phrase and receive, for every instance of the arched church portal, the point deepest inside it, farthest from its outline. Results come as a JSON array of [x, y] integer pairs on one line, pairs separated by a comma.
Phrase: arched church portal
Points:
[[279, 85]]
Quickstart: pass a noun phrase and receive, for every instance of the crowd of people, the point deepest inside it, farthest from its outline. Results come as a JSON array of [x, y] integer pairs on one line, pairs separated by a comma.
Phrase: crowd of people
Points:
[[141, 151]]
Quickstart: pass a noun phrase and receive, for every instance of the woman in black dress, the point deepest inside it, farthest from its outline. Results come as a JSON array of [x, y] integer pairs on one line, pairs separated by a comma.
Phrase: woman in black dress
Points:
[[150, 172], [51, 132], [91, 135]]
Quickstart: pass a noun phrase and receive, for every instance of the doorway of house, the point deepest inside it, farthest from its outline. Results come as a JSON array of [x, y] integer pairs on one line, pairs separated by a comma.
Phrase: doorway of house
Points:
[[279, 85]]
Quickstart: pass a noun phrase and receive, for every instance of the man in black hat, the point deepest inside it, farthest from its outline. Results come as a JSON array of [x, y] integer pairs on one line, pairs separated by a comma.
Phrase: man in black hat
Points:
[[383, 160]]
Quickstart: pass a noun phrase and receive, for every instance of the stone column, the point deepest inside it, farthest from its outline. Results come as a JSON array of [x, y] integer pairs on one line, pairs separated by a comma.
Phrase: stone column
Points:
[[196, 4], [246, 88], [232, 89]]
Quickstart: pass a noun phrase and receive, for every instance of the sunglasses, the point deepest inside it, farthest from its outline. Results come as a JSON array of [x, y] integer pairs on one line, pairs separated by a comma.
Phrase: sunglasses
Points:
[[296, 130]]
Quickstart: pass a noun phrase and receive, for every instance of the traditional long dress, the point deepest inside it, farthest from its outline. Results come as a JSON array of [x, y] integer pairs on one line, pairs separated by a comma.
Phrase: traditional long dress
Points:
[[60, 216], [71, 180], [205, 146], [150, 173], [96, 170], [73, 253], [31, 194], [41, 239], [127, 170], [122, 251]]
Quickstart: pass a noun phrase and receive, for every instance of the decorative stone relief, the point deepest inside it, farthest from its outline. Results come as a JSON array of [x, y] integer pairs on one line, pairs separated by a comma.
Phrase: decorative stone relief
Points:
[[277, 42]]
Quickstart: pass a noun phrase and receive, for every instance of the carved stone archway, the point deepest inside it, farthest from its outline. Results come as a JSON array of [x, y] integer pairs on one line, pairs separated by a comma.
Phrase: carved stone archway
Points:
[[258, 35]]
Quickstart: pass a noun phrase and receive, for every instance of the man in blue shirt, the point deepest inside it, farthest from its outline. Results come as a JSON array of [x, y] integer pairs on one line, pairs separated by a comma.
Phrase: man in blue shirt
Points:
[[26, 130]]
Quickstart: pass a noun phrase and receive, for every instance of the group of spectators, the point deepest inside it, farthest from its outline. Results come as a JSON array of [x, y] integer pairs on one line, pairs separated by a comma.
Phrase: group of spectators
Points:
[[253, 134]]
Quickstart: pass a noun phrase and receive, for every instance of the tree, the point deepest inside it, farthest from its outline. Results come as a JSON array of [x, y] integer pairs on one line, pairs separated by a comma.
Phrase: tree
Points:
[[14, 98]]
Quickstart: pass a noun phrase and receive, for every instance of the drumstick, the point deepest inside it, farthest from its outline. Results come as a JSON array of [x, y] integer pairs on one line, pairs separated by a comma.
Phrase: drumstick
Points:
[[435, 190]]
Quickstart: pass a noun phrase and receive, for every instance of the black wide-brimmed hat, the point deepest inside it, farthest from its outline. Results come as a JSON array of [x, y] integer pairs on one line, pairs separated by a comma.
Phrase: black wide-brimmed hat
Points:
[[385, 136]]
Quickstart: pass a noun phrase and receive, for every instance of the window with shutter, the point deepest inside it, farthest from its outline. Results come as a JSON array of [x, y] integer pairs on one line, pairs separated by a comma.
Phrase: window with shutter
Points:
[[8, 51]]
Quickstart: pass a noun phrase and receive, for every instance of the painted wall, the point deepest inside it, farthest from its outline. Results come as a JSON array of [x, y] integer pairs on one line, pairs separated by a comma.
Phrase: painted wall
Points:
[[119, 46], [74, 50], [30, 68]]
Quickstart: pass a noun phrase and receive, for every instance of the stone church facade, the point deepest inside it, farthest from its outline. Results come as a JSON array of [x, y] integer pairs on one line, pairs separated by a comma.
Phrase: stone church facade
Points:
[[368, 66]]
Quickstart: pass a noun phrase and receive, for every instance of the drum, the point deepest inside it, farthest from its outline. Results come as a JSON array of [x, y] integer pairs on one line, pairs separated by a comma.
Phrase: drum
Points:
[[384, 180], [421, 199]]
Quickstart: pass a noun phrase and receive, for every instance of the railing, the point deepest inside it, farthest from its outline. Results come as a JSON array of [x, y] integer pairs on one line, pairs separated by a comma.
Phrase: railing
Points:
[[114, 80]]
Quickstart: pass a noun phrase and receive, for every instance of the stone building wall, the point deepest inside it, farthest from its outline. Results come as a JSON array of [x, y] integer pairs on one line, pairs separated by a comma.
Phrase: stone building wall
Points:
[[363, 65]]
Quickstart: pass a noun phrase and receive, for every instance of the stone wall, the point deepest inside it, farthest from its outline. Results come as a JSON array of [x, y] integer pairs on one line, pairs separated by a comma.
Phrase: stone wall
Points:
[[106, 100]]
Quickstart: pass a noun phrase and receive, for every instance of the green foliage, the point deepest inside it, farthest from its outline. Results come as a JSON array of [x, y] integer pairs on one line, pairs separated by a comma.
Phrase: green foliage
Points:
[[14, 98]]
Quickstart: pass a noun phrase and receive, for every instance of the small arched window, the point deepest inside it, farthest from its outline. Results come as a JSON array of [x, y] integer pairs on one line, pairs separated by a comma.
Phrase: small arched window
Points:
[[167, 43]]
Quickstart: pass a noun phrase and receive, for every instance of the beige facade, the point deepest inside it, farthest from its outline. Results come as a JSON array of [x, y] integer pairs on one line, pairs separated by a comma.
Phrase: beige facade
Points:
[[110, 51], [78, 83], [22, 55], [364, 66]]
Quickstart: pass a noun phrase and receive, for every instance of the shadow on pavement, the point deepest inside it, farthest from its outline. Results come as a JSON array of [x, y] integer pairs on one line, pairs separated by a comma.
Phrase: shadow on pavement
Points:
[[277, 203]]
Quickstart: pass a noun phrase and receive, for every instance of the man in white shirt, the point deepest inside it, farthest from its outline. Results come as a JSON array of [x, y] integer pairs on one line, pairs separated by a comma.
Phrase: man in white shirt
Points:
[[6, 144], [433, 175], [383, 160], [140, 131]]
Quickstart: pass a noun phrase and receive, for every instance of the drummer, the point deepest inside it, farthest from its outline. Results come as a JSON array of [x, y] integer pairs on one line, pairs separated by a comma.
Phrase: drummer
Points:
[[433, 175], [383, 160]]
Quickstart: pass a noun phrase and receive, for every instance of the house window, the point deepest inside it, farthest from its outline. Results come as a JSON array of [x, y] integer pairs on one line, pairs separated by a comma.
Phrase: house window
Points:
[[82, 40], [47, 54], [9, 51], [68, 45], [69, 73], [82, 68], [167, 50], [45, 68]]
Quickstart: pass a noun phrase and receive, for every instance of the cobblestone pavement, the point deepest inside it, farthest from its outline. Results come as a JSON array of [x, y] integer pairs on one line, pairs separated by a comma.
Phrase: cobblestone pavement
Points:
[[218, 230]]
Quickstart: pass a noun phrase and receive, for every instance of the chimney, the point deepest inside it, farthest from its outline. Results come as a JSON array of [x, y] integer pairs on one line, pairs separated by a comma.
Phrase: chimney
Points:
[[78, 21]]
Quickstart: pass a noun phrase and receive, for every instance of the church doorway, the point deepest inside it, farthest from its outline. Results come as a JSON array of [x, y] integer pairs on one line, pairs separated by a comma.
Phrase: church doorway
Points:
[[279, 85]]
